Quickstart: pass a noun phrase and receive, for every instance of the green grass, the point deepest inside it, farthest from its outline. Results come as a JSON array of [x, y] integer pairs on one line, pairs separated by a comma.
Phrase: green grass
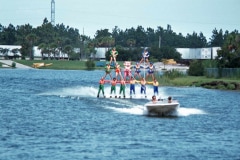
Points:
[[59, 64], [56, 64], [197, 80]]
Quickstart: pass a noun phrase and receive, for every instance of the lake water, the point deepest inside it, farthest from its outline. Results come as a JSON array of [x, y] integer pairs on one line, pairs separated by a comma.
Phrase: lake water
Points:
[[48, 114]]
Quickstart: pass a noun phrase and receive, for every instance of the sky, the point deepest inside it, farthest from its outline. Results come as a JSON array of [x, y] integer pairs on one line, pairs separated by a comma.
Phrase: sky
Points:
[[88, 16]]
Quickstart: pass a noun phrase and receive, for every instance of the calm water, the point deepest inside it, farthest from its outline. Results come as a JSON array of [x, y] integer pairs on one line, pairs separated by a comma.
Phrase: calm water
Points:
[[46, 114]]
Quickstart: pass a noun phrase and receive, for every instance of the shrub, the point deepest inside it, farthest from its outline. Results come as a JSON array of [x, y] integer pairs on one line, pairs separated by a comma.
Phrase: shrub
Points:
[[196, 68], [174, 73], [90, 64], [230, 86], [221, 86], [13, 65]]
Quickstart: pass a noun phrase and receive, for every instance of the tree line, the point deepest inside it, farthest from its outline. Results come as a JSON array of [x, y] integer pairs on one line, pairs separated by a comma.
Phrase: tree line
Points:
[[129, 42]]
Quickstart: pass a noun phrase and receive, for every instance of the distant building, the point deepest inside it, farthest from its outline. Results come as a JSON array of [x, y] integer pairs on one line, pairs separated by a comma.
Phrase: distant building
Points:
[[10, 51], [186, 53], [198, 53], [100, 54]]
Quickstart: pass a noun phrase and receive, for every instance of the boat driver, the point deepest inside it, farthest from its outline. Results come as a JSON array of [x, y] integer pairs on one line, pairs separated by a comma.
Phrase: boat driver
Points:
[[154, 99]]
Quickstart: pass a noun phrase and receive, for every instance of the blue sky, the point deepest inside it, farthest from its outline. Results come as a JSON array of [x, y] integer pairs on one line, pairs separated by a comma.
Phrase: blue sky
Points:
[[184, 16]]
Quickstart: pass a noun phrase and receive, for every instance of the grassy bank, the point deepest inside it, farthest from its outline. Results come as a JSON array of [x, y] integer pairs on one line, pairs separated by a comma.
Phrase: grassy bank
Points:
[[193, 80], [59, 64], [56, 64]]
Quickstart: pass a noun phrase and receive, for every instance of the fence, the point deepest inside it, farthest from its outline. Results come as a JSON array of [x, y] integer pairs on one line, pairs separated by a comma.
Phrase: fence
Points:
[[223, 72]]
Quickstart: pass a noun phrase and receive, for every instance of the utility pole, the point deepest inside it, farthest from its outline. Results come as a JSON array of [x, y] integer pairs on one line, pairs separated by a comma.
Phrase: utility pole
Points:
[[53, 12], [83, 44], [159, 41]]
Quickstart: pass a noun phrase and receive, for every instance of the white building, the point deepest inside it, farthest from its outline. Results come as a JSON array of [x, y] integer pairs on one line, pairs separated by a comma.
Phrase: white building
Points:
[[198, 53]]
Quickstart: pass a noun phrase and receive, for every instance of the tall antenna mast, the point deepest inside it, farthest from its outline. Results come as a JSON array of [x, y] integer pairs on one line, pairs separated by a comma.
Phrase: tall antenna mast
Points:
[[53, 12]]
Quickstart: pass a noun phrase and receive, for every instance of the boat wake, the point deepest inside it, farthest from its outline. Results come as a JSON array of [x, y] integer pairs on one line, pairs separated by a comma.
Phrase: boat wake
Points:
[[137, 110], [133, 106], [182, 112]]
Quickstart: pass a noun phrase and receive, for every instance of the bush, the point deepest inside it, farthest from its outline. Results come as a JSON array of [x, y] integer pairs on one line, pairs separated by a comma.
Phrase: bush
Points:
[[13, 65], [221, 86], [196, 68], [230, 86], [90, 64], [171, 74]]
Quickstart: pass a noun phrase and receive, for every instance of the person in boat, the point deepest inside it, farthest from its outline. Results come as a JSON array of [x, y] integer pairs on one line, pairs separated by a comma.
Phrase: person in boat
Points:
[[113, 55], [122, 87], [127, 70], [101, 86], [143, 86], [118, 70], [150, 72], [132, 86], [108, 70], [169, 99], [154, 99], [113, 86], [137, 70], [145, 56], [155, 86]]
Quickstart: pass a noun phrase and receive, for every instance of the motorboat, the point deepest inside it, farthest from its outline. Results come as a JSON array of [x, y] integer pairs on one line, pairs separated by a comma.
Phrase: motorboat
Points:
[[162, 107]]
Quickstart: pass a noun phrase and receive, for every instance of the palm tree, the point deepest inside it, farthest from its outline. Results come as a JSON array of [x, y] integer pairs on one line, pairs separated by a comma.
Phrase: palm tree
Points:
[[68, 49], [31, 38], [44, 49]]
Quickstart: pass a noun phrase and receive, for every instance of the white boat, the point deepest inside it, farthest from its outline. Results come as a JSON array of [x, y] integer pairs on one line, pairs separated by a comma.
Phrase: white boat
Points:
[[162, 108]]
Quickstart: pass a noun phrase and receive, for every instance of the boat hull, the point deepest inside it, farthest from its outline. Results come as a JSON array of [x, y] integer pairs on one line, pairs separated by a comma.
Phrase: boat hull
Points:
[[162, 108]]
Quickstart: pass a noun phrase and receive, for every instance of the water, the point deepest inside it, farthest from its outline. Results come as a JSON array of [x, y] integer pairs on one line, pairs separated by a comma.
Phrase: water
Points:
[[47, 114]]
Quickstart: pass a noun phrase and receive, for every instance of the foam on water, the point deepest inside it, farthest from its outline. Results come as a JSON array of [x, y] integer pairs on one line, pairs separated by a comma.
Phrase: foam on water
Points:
[[189, 111], [136, 110], [126, 106]]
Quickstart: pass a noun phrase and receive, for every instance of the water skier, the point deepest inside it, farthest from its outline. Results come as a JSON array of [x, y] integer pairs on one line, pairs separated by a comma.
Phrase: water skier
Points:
[[143, 86], [145, 56], [137, 70], [118, 70], [122, 88], [113, 55], [113, 86], [150, 72], [155, 86], [108, 70], [101, 87], [127, 70], [132, 86]]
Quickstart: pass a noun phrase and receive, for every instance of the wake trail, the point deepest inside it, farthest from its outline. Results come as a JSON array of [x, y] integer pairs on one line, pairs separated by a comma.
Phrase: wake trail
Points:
[[119, 105]]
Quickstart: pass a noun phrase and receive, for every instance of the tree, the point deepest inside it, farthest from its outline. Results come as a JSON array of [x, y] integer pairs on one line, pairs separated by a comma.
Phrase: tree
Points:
[[229, 55], [217, 38], [196, 41], [68, 50], [196, 68], [44, 49], [9, 35], [31, 38]]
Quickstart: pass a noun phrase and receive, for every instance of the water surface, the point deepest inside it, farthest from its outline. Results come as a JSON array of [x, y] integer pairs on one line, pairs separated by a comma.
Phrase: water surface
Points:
[[49, 114]]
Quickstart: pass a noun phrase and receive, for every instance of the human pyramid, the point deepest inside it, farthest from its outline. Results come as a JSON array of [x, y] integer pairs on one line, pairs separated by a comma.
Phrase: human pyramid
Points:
[[127, 77]]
